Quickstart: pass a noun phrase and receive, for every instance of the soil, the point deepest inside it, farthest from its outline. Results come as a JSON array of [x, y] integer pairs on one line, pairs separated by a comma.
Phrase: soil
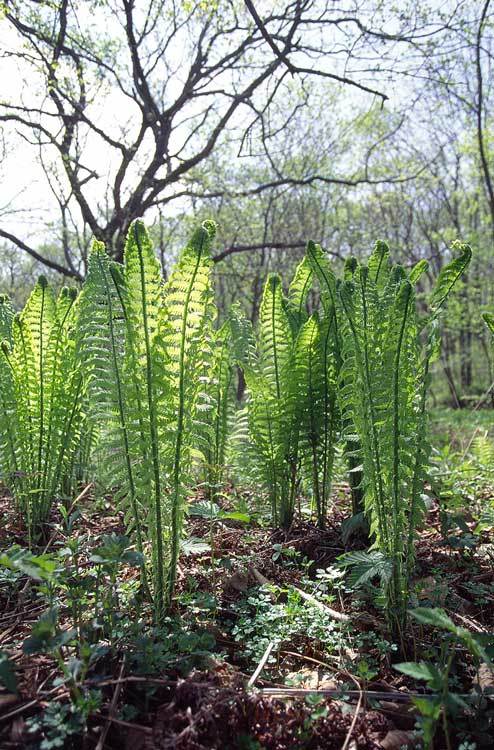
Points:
[[210, 705]]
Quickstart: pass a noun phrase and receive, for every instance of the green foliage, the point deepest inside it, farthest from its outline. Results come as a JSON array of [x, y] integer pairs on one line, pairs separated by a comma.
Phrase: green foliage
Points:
[[315, 379], [220, 402], [442, 703], [38, 567], [146, 356], [384, 379], [7, 673], [269, 381], [7, 313], [489, 320], [156, 378], [260, 620], [41, 393], [366, 566], [292, 390]]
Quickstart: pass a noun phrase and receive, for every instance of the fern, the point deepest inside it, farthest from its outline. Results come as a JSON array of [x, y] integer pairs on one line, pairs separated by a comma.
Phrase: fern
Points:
[[6, 318], [41, 390], [489, 321], [218, 407], [297, 294], [143, 345], [292, 388], [316, 414], [365, 566], [383, 388], [272, 425], [103, 332], [189, 313]]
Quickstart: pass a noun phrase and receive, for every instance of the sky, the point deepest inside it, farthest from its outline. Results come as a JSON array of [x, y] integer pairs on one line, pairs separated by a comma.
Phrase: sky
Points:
[[26, 203]]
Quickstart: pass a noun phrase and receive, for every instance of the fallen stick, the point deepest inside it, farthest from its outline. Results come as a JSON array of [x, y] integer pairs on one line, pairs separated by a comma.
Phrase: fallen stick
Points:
[[397, 696], [111, 708], [340, 616], [261, 664]]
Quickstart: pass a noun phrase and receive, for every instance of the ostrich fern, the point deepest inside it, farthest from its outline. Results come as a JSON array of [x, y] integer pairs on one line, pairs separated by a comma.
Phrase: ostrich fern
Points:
[[292, 391], [269, 379], [219, 407], [316, 359], [387, 350], [41, 391], [144, 344], [6, 318]]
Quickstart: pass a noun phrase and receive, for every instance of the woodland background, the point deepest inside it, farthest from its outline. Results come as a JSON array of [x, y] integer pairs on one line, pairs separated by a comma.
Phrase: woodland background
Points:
[[341, 122]]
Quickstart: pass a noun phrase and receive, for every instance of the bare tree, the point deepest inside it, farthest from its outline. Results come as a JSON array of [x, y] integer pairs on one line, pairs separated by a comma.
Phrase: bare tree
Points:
[[183, 79]]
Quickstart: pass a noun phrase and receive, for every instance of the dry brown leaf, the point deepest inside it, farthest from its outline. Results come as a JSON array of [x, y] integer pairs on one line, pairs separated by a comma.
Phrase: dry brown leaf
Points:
[[402, 715], [397, 739], [485, 678]]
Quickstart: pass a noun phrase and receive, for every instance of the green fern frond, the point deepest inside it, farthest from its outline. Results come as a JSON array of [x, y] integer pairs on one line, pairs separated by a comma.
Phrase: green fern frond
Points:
[[378, 265], [489, 321], [449, 276], [418, 270], [7, 313], [42, 411], [189, 315], [298, 292], [319, 262]]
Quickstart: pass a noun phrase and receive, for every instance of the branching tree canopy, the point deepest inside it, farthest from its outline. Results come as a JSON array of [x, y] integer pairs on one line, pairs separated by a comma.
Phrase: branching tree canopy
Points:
[[124, 102]]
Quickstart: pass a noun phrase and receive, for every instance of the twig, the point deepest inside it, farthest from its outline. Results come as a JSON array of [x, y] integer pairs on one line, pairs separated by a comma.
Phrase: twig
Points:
[[261, 664], [76, 500], [396, 696], [483, 397], [29, 704], [311, 658], [127, 724], [340, 616], [111, 709], [355, 715]]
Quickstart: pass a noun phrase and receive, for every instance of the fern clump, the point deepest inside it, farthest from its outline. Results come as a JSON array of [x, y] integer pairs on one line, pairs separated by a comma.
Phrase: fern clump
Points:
[[146, 346], [387, 349], [41, 392], [218, 408], [293, 419], [136, 368]]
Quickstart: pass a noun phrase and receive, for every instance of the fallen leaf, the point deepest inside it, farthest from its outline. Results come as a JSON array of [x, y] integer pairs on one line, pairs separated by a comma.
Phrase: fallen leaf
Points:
[[397, 739], [402, 715], [238, 581], [485, 678]]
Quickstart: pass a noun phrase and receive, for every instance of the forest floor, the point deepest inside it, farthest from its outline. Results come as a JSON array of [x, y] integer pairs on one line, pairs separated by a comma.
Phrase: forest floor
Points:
[[268, 647]]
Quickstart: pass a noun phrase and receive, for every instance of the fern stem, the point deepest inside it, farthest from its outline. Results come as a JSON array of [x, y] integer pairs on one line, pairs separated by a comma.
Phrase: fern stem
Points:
[[275, 348], [48, 452], [41, 385], [397, 576], [65, 440], [176, 500], [159, 601], [416, 489], [380, 504], [328, 424]]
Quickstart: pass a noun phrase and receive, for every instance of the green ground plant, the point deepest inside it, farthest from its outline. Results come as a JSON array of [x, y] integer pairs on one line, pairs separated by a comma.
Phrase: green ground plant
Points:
[[386, 351], [145, 344], [444, 705], [41, 392], [292, 393]]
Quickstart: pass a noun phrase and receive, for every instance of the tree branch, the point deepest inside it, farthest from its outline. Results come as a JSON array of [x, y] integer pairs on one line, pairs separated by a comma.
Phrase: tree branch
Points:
[[41, 258]]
